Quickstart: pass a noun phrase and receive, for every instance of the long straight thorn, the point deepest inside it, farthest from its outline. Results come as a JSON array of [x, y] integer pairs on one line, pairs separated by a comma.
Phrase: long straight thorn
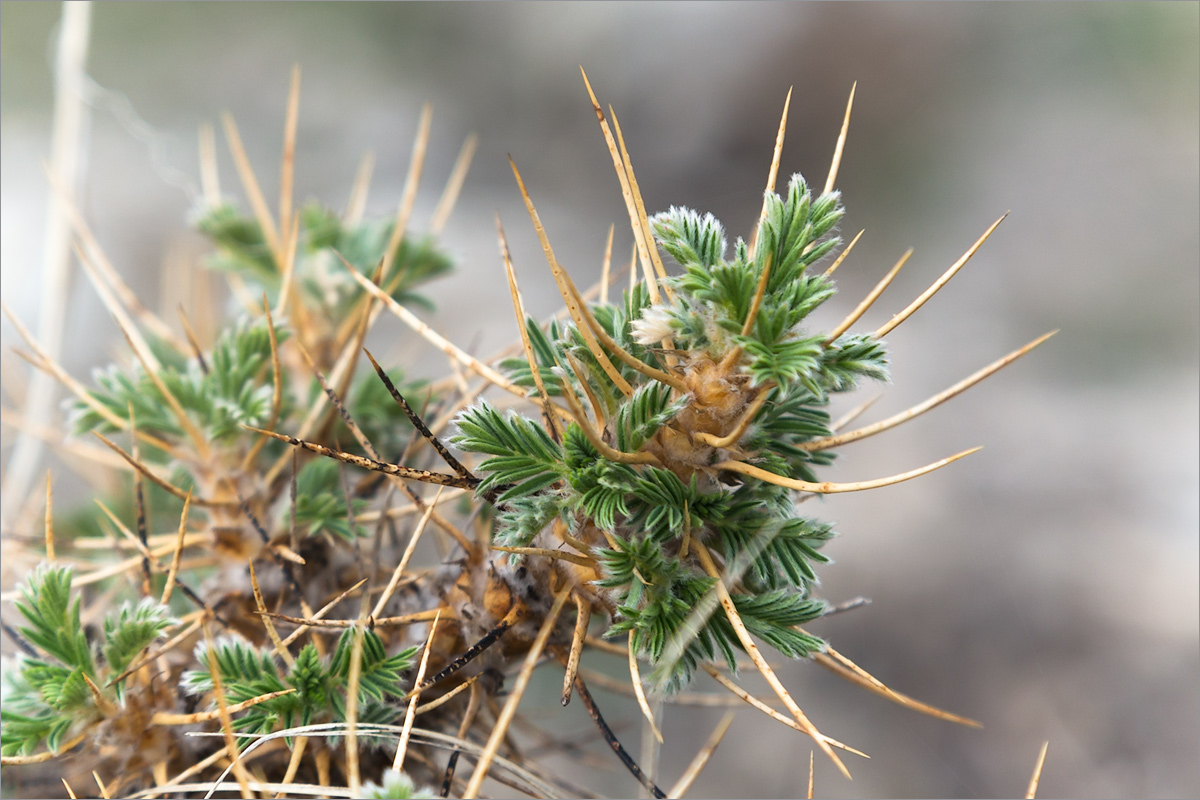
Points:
[[773, 173], [933, 402], [869, 300], [939, 283], [841, 143]]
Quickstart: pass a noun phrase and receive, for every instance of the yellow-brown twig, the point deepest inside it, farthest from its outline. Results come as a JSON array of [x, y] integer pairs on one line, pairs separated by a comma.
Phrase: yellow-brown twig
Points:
[[526, 344], [173, 570], [833, 488], [635, 679], [583, 615], [933, 402], [517, 692], [698, 763], [761, 663]]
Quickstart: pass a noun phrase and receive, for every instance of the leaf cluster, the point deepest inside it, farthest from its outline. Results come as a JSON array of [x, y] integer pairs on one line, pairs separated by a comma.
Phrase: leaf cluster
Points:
[[47, 697], [320, 684], [324, 284]]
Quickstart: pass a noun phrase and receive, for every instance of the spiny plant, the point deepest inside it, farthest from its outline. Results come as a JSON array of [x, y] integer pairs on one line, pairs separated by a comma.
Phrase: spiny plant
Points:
[[657, 485]]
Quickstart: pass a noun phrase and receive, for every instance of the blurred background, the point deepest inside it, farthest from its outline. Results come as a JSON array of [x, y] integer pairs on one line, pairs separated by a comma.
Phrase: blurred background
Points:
[[1048, 585]]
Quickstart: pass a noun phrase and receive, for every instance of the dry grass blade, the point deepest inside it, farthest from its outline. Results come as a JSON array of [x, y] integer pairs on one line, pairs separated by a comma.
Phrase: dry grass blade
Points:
[[162, 483], [408, 551], [639, 238], [239, 769], [376, 622], [755, 703], [163, 718], [1031, 792], [402, 746], [458, 174], [356, 206], [841, 143], [448, 696], [173, 570], [773, 173], [833, 488], [643, 457], [938, 284], [434, 338], [760, 662], [321, 612], [412, 180], [701, 760], [516, 693], [639, 692], [526, 344], [39, 758], [250, 185], [52, 367], [210, 180], [272, 634], [843, 667], [124, 321], [89, 247], [287, 169], [352, 683], [293, 766], [606, 267], [626, 357], [545, 552], [643, 221], [837, 262], [487, 640], [868, 301], [933, 402], [149, 364], [562, 281], [193, 341], [416, 420]]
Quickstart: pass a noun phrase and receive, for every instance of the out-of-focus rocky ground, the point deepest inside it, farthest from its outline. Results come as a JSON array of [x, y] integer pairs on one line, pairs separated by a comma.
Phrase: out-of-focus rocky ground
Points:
[[1047, 585]]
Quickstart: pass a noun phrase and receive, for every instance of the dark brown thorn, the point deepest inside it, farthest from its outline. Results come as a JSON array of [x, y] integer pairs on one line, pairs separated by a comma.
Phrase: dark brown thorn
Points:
[[425, 476], [464, 726], [293, 538], [594, 712], [147, 555], [283, 563], [19, 640], [416, 420], [472, 652]]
